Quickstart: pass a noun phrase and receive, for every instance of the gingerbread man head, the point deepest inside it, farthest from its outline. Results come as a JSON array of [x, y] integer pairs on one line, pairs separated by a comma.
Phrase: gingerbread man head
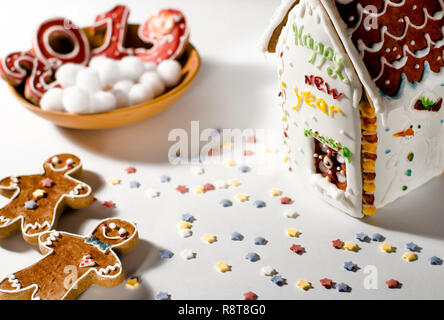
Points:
[[119, 234], [62, 163]]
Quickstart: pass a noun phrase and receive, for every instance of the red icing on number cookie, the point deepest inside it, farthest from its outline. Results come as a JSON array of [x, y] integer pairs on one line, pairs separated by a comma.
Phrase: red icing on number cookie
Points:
[[167, 31], [115, 21], [58, 41]]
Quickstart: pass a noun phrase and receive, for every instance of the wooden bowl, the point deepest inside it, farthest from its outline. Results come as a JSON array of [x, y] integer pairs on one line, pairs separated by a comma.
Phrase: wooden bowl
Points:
[[190, 61]]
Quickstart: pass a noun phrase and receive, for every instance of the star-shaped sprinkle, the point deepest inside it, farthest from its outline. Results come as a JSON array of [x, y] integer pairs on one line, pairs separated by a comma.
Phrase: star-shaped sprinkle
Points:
[[297, 248], [220, 184], [47, 183], [188, 254], [292, 232], [250, 295], [338, 244], [198, 189], [30, 205], [108, 204], [260, 241], [252, 256], [349, 266], [198, 170], [236, 236], [134, 184], [223, 266], [290, 213], [209, 237], [386, 247], [166, 254], [234, 183], [185, 233], [244, 169], [38, 194], [350, 246], [259, 204], [226, 203], [435, 261], [164, 179], [182, 189], [304, 284], [393, 284], [241, 197], [152, 193], [132, 283], [130, 170], [278, 280], [342, 287], [229, 163], [378, 237], [412, 247], [187, 217], [268, 271], [285, 200], [184, 225], [275, 192], [113, 181], [409, 256], [161, 295], [208, 187], [326, 283], [362, 237]]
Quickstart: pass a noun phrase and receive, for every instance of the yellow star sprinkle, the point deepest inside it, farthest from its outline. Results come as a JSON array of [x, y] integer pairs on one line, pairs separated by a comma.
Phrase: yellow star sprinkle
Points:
[[286, 159], [209, 237], [113, 181], [198, 189], [38, 194], [386, 247], [132, 283], [304, 284], [292, 232], [184, 225], [223, 266], [275, 192], [242, 197], [350, 246], [227, 145], [229, 163], [234, 183], [409, 256]]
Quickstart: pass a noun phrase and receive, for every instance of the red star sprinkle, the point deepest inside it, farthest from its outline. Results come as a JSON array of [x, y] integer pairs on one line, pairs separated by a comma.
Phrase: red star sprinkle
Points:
[[297, 248], [47, 183], [208, 187], [108, 204], [250, 296], [326, 283], [285, 200], [182, 189], [251, 139], [130, 170], [248, 153], [393, 284], [338, 244]]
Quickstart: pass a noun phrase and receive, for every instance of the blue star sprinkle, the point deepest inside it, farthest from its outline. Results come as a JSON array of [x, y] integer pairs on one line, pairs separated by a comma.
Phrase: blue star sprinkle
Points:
[[378, 237], [342, 287], [226, 203], [188, 217], [362, 237], [435, 261], [31, 204], [253, 257], [165, 254], [277, 280], [134, 184], [161, 295], [236, 236], [244, 169], [259, 204], [259, 241], [412, 247], [165, 179], [349, 266]]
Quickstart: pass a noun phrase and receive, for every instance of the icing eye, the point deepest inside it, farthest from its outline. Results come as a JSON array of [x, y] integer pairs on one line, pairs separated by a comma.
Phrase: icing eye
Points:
[[411, 127], [55, 160], [69, 161], [122, 232], [328, 162], [419, 126], [112, 225]]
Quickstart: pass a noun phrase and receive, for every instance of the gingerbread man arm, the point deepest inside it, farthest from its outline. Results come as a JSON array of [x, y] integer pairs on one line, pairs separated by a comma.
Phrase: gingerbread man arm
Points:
[[8, 186]]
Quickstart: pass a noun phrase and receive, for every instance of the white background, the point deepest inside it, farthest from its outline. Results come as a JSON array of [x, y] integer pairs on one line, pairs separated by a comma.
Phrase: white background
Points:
[[236, 88]]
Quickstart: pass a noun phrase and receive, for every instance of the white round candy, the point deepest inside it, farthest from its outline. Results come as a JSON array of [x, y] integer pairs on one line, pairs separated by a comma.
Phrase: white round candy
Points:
[[66, 75], [170, 71], [131, 68], [96, 62], [139, 94], [122, 232], [88, 80], [153, 80], [122, 99], [112, 225], [102, 101], [108, 71], [52, 100], [150, 66], [76, 100], [124, 85]]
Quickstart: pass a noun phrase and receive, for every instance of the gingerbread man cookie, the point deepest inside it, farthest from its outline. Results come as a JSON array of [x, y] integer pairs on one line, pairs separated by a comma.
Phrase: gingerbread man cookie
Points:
[[73, 263], [38, 200]]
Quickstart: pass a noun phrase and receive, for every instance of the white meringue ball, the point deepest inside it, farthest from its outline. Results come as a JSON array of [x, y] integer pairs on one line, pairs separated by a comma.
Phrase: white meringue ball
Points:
[[76, 100], [150, 66], [88, 79], [139, 94], [102, 101], [108, 71], [121, 96], [52, 100], [66, 75], [131, 68], [170, 71], [153, 80], [124, 85], [96, 62]]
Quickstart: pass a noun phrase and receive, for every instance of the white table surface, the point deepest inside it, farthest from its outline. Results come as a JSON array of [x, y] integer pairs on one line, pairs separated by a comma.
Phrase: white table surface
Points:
[[236, 88]]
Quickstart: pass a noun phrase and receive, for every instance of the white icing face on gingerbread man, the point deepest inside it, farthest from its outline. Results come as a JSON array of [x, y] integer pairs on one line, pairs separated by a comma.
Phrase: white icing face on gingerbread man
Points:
[[38, 200]]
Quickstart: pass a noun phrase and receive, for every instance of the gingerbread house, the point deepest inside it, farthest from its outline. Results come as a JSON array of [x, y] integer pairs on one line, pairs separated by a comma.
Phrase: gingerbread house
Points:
[[361, 89]]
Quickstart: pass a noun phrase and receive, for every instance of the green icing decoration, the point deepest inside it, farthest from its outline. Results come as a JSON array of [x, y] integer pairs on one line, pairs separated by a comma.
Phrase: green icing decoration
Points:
[[330, 142], [408, 173], [427, 103], [404, 188], [410, 156]]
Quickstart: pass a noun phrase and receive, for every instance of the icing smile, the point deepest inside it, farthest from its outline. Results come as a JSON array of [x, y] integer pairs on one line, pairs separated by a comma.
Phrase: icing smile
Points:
[[122, 233]]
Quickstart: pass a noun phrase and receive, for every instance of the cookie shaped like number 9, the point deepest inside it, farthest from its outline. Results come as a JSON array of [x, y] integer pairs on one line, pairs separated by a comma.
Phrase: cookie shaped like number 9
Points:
[[167, 31]]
